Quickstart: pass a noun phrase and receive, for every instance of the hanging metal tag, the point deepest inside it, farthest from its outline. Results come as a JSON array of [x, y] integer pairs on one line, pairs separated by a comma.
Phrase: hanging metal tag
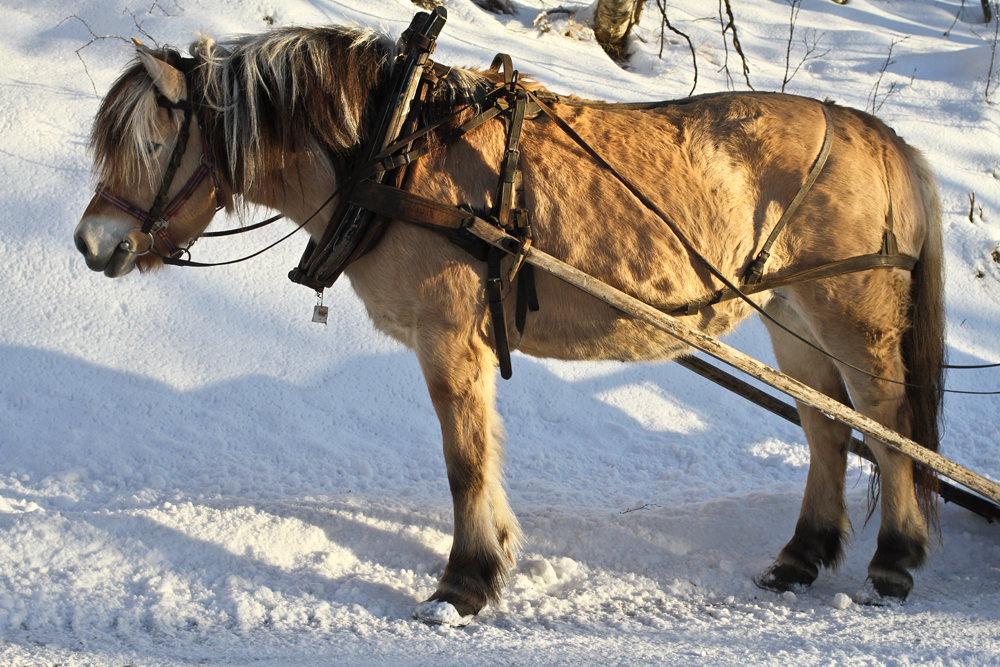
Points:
[[320, 312]]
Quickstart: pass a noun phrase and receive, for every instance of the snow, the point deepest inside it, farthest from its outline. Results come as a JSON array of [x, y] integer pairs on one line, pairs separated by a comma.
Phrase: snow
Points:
[[192, 471]]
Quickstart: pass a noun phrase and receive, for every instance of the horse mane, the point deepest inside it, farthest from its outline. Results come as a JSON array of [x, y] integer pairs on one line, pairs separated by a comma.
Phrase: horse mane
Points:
[[292, 90], [260, 98]]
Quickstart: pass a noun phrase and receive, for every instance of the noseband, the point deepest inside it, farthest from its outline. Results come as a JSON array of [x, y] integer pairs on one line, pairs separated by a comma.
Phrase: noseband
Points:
[[156, 220]]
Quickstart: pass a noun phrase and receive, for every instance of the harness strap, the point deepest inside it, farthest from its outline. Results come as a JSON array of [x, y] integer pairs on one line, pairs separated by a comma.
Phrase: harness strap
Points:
[[756, 270], [387, 161], [416, 210], [350, 229], [156, 211], [494, 292], [510, 175], [405, 206], [839, 268]]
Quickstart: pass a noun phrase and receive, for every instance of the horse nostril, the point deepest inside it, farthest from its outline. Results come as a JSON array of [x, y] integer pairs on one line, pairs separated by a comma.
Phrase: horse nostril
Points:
[[81, 245]]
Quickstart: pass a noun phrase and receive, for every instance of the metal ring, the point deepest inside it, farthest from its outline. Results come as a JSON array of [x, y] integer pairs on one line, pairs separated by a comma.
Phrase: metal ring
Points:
[[124, 245]]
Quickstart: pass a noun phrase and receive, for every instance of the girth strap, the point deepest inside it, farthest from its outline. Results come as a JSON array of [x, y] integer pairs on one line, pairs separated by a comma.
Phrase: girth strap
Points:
[[494, 292]]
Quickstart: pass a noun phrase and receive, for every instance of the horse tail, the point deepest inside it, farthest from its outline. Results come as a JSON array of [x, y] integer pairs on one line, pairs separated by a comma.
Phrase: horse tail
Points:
[[923, 346]]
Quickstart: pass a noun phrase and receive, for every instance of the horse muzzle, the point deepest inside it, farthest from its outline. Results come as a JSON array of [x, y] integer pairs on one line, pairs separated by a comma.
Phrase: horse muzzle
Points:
[[100, 243]]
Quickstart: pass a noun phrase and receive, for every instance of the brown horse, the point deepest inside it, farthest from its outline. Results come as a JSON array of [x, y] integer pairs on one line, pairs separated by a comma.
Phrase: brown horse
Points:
[[284, 115]]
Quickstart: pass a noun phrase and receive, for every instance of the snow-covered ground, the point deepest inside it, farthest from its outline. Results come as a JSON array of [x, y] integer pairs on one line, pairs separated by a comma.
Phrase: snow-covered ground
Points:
[[193, 472]]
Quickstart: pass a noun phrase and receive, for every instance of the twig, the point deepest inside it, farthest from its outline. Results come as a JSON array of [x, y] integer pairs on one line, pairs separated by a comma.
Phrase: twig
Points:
[[811, 47], [157, 5], [662, 4], [972, 213], [647, 506], [558, 10], [97, 38], [874, 104], [958, 13], [94, 38], [993, 51], [731, 25]]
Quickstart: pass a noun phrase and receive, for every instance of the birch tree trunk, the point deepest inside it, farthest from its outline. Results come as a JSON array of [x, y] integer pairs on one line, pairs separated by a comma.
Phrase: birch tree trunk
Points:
[[613, 21]]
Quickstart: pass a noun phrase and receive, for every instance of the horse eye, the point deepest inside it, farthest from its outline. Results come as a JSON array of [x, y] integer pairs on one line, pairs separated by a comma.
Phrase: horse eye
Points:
[[152, 147]]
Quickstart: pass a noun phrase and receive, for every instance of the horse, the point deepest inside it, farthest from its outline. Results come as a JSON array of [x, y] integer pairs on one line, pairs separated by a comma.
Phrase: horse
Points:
[[280, 118]]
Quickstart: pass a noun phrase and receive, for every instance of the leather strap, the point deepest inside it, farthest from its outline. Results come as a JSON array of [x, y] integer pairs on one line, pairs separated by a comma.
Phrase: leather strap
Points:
[[756, 269], [839, 268], [416, 210], [494, 292]]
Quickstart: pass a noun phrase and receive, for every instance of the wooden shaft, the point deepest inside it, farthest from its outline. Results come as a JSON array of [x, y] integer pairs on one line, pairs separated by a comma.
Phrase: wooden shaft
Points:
[[729, 355], [948, 492]]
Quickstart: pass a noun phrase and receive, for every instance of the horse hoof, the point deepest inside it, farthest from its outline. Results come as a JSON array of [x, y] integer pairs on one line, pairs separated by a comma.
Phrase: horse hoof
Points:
[[890, 588], [439, 612], [781, 577]]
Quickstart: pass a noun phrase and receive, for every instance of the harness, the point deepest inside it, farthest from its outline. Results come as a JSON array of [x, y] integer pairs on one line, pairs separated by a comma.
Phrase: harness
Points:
[[373, 195], [514, 103]]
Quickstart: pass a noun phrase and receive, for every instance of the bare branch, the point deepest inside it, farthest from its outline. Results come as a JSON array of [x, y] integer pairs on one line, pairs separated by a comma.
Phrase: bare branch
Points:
[[665, 23], [993, 54], [874, 103], [731, 26], [958, 14], [810, 41], [645, 506], [546, 14], [94, 38]]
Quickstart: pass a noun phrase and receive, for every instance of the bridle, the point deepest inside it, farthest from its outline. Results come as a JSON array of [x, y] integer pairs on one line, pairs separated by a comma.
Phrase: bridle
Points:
[[156, 221]]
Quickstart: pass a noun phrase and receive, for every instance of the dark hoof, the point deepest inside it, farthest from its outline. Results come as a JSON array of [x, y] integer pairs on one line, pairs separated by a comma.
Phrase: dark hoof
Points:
[[781, 577], [886, 586], [888, 573]]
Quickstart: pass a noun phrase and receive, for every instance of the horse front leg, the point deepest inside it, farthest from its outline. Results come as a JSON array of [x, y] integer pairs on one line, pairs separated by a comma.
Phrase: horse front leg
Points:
[[459, 370]]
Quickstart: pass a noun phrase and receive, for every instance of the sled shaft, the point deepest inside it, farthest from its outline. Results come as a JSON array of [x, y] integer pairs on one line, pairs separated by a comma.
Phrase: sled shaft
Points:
[[948, 492]]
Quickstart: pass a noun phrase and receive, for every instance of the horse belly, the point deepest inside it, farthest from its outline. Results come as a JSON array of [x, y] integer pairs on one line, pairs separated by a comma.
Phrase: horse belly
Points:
[[574, 326]]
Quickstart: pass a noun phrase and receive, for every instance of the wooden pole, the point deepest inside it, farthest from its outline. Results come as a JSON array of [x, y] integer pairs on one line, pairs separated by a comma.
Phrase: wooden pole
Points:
[[828, 406], [948, 492]]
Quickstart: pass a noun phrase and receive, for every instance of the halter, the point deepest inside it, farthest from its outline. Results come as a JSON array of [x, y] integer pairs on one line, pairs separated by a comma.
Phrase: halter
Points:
[[156, 220]]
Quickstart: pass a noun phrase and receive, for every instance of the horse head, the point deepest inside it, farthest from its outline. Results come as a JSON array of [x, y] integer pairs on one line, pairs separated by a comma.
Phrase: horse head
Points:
[[152, 162]]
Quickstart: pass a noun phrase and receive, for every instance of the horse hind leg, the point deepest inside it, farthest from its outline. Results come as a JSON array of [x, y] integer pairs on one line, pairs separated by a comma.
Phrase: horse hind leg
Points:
[[866, 327], [460, 376], [903, 536], [823, 525]]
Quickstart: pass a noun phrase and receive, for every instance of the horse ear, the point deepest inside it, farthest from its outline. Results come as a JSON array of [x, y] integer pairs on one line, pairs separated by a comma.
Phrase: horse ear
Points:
[[167, 79]]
